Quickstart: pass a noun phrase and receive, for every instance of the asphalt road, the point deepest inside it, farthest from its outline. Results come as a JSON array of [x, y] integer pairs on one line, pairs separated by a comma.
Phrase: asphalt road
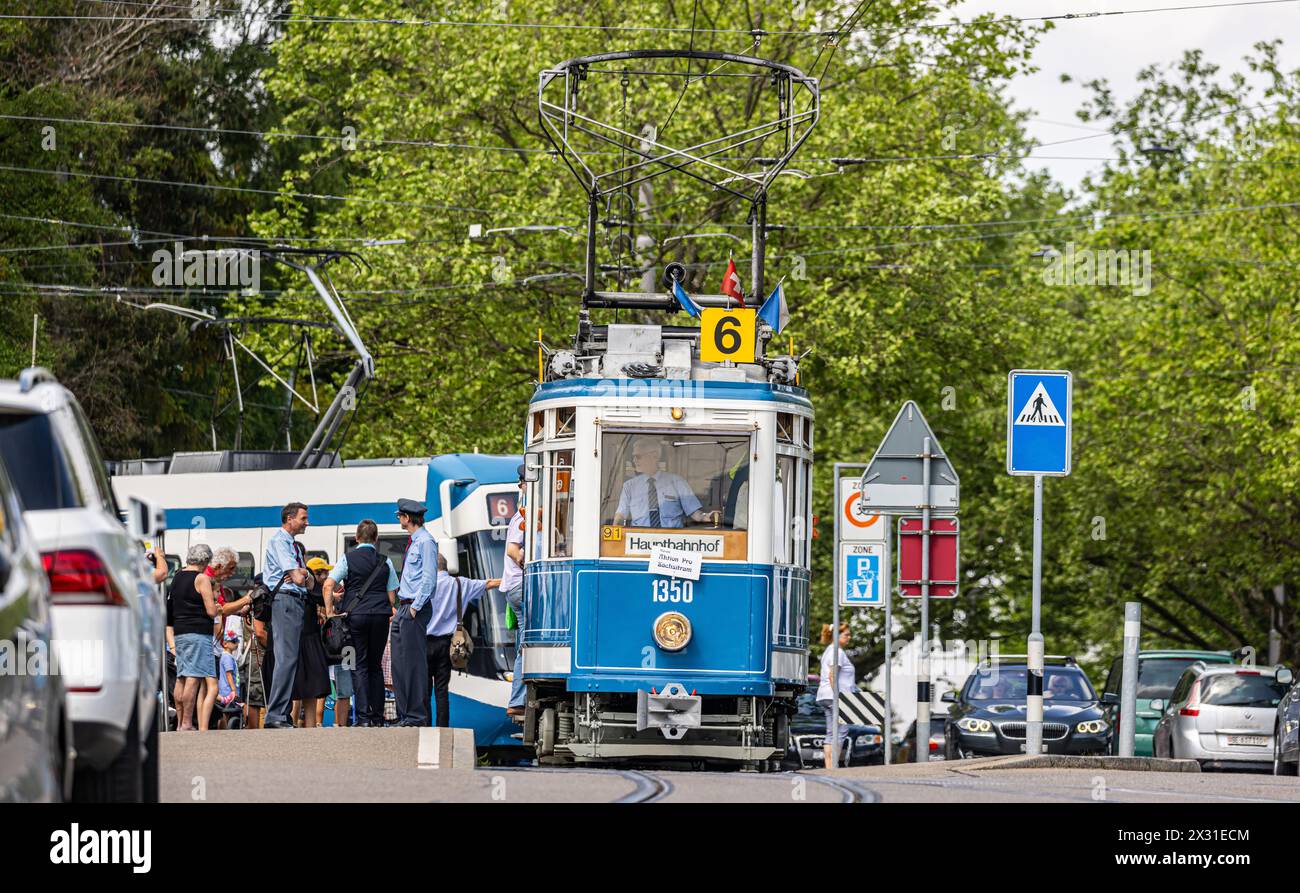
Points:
[[303, 765]]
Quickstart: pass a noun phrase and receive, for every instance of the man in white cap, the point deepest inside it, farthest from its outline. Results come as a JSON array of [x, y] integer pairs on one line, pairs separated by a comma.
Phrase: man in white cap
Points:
[[414, 609]]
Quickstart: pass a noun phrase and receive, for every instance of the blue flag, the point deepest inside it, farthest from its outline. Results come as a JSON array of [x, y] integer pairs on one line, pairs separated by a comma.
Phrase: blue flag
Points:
[[685, 300], [774, 311]]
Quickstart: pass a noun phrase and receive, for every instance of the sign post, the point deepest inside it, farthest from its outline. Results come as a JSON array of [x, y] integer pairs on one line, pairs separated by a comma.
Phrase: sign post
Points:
[[862, 569], [910, 471], [1038, 445]]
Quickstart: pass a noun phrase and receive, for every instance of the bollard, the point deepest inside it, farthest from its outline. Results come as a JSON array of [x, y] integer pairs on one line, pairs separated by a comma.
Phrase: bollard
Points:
[[1127, 715]]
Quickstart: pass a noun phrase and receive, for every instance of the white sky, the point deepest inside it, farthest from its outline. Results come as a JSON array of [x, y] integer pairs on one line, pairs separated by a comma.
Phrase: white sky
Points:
[[1115, 48]]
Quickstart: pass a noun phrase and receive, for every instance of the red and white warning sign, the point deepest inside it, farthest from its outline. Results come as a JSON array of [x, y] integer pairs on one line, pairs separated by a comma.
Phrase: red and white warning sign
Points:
[[857, 522]]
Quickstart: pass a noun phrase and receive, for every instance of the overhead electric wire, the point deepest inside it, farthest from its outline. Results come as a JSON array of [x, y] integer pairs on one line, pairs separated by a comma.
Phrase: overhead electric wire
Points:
[[307, 18], [244, 189]]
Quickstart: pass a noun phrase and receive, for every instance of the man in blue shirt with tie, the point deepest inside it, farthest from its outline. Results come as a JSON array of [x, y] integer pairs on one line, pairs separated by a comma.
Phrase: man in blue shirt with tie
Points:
[[283, 562], [442, 624], [414, 610], [657, 498]]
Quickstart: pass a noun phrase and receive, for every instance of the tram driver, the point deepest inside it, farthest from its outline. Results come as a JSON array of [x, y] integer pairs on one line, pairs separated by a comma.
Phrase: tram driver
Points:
[[655, 498]]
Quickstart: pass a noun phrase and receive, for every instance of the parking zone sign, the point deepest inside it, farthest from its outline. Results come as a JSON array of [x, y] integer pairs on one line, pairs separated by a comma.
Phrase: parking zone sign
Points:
[[863, 574]]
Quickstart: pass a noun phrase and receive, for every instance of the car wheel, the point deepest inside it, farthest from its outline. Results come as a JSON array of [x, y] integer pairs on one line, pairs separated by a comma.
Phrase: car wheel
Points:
[[150, 770], [119, 781], [61, 758], [1281, 766]]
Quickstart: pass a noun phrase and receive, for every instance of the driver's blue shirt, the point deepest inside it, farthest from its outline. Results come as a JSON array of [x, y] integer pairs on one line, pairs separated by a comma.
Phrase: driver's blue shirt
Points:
[[677, 501]]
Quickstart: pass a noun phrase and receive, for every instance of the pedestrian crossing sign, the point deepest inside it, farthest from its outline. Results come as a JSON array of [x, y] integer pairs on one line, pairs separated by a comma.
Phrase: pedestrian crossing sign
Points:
[[1039, 409], [1038, 422]]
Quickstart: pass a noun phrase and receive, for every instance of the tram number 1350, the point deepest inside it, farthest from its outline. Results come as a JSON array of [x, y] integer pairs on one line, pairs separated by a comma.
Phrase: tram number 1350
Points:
[[675, 591]]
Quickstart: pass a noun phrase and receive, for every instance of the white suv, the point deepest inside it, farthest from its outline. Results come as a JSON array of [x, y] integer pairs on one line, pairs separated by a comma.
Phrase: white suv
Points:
[[107, 611]]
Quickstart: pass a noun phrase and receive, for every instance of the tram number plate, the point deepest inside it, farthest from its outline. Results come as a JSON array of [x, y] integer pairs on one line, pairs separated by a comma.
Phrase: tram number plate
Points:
[[675, 591], [727, 335], [611, 533]]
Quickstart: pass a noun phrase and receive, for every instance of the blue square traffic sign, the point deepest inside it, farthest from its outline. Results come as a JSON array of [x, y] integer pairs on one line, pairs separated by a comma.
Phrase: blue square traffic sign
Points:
[[1038, 422]]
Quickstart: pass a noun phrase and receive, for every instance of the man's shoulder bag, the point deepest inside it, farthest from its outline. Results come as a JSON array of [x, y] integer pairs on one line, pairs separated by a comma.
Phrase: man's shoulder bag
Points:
[[262, 597], [462, 646]]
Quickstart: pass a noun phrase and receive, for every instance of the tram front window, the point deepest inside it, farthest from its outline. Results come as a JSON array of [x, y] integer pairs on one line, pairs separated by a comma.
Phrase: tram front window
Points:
[[672, 481]]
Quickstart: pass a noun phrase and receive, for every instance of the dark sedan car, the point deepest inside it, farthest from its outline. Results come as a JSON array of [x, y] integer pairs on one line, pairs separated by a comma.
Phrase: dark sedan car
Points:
[[1286, 736], [863, 745], [987, 717], [907, 749]]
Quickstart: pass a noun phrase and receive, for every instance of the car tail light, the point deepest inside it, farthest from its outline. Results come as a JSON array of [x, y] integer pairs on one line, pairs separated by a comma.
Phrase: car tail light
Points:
[[1248, 672], [934, 744], [1193, 707], [1190, 711], [80, 577]]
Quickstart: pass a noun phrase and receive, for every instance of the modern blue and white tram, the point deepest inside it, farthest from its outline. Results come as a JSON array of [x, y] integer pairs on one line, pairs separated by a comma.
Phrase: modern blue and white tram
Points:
[[471, 499], [670, 624]]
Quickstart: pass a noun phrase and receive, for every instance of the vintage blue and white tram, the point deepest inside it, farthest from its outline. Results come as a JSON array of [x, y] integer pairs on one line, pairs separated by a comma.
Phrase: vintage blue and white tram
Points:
[[668, 509], [674, 626]]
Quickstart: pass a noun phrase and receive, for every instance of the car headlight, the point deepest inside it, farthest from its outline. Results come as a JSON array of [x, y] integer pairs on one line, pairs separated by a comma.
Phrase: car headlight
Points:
[[1091, 727], [672, 631], [975, 726]]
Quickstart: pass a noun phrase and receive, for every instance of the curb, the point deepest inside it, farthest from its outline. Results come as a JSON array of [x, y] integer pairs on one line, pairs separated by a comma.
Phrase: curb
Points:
[[445, 749], [1067, 761]]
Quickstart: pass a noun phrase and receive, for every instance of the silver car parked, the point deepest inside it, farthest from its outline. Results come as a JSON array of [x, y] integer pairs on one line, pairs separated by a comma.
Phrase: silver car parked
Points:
[[1222, 716]]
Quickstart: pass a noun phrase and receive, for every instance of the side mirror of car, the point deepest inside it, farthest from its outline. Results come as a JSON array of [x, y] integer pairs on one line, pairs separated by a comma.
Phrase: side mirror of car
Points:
[[1158, 705], [1285, 676], [1110, 699], [949, 697]]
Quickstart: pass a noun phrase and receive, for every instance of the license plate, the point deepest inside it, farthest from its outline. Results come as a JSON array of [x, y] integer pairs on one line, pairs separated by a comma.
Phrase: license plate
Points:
[[1248, 740]]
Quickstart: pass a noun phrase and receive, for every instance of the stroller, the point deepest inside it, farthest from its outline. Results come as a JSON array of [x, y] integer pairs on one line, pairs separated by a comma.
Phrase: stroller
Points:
[[233, 711]]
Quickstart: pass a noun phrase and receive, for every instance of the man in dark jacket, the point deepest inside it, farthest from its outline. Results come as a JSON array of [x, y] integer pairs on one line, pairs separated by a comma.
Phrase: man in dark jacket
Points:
[[369, 595]]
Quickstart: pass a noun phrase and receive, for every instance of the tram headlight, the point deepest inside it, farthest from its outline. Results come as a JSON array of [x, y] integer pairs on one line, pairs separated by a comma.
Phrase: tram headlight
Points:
[[678, 413], [672, 631]]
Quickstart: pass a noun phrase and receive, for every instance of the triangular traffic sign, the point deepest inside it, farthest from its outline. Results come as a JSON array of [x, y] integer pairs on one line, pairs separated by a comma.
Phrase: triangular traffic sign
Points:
[[1039, 409], [894, 480]]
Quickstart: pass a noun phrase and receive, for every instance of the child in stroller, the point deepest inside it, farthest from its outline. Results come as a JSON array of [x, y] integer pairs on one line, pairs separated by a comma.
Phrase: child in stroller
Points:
[[228, 702]]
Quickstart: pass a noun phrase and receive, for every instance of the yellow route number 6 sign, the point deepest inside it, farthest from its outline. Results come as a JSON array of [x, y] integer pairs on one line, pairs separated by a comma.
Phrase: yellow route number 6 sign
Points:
[[727, 335]]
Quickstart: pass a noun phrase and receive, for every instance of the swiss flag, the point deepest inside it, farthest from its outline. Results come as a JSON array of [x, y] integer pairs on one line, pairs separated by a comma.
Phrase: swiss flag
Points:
[[731, 283]]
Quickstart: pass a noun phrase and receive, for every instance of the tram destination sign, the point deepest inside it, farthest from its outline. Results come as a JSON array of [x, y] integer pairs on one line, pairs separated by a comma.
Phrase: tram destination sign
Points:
[[704, 545]]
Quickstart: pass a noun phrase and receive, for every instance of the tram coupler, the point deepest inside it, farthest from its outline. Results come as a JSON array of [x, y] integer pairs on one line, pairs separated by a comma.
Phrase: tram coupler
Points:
[[671, 711]]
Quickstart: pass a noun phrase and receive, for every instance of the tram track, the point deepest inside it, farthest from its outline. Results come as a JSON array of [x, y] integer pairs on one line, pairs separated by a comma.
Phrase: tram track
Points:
[[851, 791], [653, 787], [649, 787]]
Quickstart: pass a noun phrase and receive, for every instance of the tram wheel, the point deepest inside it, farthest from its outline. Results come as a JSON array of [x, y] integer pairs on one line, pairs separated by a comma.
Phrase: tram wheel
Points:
[[546, 733]]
